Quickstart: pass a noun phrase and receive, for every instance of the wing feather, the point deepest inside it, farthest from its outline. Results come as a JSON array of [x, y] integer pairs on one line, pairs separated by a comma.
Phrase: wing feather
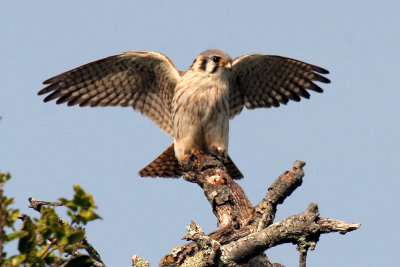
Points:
[[143, 80], [267, 81]]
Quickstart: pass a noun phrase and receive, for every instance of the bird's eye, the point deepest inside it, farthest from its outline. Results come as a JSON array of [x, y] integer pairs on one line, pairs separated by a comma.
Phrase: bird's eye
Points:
[[216, 59]]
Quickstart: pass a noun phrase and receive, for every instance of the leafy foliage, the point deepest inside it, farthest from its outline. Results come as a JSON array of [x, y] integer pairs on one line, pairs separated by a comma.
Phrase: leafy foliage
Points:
[[81, 206], [49, 240]]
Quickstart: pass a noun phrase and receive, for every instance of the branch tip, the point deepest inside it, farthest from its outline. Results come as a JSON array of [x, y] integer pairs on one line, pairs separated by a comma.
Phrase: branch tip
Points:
[[299, 164], [246, 231], [139, 262]]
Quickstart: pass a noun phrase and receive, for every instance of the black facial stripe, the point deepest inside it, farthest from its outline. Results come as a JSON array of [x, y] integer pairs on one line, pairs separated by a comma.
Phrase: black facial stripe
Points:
[[215, 68], [203, 64]]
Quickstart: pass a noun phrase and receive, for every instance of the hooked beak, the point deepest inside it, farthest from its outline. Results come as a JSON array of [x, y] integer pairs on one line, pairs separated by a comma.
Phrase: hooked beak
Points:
[[228, 65]]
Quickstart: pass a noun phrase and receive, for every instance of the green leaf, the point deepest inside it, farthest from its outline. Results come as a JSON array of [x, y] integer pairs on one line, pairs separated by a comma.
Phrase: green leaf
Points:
[[5, 201], [86, 216], [63, 200], [76, 237], [48, 222], [15, 235], [12, 217], [4, 177], [27, 244], [81, 261], [44, 255], [15, 260], [82, 199], [50, 259], [81, 207]]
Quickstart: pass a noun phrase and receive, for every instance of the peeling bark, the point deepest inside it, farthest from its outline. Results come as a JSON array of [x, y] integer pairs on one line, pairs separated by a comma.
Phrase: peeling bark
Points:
[[245, 231]]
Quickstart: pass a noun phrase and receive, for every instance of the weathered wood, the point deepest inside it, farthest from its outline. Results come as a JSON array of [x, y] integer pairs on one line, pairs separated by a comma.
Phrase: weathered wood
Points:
[[245, 232]]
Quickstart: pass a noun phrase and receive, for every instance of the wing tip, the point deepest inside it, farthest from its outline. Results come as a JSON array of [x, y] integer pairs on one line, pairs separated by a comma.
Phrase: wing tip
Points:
[[48, 98], [327, 80], [41, 92], [322, 70]]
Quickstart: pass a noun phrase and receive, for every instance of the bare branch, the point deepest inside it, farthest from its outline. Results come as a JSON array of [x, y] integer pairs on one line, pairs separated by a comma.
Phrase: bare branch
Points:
[[2, 224], [92, 252], [37, 205], [295, 229], [139, 262], [208, 247], [229, 203], [245, 231], [303, 259], [280, 189], [330, 225]]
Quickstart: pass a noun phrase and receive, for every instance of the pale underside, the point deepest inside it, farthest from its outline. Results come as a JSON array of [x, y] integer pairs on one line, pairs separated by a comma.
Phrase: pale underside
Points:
[[194, 108], [200, 111]]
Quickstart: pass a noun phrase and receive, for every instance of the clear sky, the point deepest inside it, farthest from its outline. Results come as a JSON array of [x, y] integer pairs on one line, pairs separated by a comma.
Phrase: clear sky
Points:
[[349, 135]]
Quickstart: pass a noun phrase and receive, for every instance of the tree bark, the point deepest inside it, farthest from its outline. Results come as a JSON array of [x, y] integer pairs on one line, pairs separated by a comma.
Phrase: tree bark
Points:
[[245, 231]]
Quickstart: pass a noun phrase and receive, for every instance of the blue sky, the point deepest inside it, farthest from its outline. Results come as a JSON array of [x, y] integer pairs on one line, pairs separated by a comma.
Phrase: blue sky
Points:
[[349, 135]]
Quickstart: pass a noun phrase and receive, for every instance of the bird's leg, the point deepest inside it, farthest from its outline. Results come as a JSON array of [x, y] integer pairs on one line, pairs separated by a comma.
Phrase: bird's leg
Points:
[[192, 152], [195, 152], [220, 153]]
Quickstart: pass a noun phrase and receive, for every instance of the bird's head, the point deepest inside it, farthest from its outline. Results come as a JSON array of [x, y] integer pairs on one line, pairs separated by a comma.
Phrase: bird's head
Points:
[[212, 61]]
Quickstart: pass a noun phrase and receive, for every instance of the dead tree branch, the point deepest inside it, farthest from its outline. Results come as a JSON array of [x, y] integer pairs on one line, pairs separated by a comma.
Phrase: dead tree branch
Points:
[[246, 231], [280, 189], [229, 203], [300, 229], [37, 205], [92, 252]]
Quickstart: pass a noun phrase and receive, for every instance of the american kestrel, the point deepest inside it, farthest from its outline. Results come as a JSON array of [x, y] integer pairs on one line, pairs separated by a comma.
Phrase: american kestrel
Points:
[[194, 107]]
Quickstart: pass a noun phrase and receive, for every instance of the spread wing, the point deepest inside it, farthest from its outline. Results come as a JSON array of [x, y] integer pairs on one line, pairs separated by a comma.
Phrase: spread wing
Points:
[[267, 81], [140, 79]]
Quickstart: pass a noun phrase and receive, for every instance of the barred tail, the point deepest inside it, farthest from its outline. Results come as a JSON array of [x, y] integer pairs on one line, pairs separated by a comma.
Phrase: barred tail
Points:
[[233, 171], [166, 165]]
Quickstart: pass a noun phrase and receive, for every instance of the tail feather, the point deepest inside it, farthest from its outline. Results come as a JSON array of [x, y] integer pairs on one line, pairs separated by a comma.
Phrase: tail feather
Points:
[[166, 165], [233, 171]]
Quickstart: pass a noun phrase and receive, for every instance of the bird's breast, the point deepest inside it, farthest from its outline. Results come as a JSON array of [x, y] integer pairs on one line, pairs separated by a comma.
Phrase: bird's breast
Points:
[[199, 103], [201, 97]]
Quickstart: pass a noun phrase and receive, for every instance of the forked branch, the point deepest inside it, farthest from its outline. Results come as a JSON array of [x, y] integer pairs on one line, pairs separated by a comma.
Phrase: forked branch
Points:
[[245, 231]]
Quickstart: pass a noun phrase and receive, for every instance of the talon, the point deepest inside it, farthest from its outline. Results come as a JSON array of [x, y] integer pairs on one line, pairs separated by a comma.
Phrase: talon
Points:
[[195, 152], [185, 157], [251, 228], [220, 151]]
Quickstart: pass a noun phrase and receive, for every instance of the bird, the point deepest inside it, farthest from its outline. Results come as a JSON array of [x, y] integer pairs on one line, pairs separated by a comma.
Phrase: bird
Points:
[[193, 106]]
